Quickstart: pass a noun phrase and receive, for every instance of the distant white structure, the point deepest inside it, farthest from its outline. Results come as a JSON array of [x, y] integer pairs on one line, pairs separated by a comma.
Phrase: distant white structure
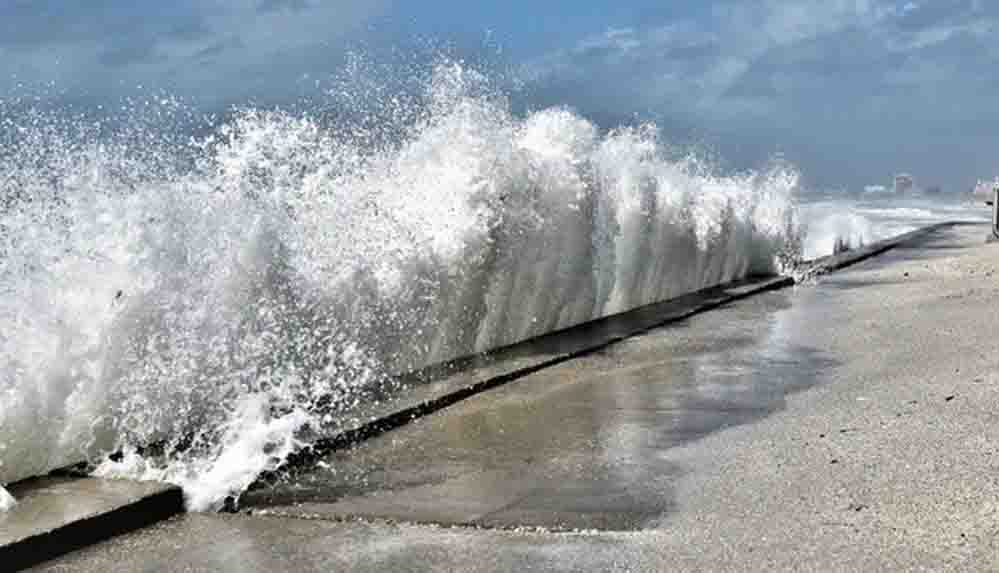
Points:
[[904, 183], [875, 189], [983, 189]]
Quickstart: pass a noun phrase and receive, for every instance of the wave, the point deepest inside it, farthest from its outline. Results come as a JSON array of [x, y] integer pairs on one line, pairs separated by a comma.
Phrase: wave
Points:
[[210, 295], [833, 228], [834, 225]]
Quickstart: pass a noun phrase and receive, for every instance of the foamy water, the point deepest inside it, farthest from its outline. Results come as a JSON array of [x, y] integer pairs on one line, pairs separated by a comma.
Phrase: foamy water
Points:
[[833, 224], [7, 501], [231, 296]]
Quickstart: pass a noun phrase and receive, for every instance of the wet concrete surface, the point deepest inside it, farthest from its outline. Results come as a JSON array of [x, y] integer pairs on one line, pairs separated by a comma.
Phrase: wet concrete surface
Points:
[[581, 445], [419, 393], [45, 504], [884, 461], [55, 515]]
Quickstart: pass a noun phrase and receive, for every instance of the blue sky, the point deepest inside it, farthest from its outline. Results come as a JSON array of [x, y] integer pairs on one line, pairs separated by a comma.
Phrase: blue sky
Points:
[[851, 90]]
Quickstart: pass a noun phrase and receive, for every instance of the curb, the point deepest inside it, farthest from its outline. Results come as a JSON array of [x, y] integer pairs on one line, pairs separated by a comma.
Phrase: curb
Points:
[[44, 533]]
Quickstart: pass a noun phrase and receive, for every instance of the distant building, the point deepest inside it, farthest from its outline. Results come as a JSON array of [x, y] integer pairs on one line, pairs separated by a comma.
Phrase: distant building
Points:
[[904, 183], [983, 189], [875, 189]]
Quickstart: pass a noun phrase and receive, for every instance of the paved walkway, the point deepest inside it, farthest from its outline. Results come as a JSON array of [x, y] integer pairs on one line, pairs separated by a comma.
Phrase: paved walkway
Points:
[[848, 425]]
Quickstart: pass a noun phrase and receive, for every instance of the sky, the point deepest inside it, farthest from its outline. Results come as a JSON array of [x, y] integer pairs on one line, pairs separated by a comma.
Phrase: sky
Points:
[[852, 91]]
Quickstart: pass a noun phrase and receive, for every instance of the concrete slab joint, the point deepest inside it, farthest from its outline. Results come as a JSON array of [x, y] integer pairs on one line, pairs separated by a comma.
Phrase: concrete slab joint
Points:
[[56, 515]]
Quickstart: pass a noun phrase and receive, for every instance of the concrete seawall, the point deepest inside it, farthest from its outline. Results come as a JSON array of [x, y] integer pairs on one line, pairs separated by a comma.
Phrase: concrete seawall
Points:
[[471, 379]]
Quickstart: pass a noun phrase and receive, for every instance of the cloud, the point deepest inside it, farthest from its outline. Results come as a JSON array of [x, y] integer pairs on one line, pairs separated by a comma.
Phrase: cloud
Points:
[[812, 74], [124, 55], [788, 71], [279, 5], [216, 49], [110, 46], [38, 24], [772, 50]]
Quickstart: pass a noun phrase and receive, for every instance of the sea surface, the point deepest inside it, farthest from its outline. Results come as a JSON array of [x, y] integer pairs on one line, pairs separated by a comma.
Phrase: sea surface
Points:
[[227, 290]]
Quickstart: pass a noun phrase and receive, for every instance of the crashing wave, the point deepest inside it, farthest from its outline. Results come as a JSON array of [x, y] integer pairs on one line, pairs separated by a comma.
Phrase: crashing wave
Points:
[[209, 296]]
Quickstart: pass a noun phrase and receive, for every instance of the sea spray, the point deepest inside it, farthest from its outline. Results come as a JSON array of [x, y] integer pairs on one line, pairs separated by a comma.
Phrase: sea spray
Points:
[[836, 223], [834, 227], [229, 298]]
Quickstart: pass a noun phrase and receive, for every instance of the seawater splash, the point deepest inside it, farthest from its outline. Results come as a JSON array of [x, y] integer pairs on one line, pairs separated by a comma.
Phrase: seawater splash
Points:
[[837, 223], [228, 297], [836, 230]]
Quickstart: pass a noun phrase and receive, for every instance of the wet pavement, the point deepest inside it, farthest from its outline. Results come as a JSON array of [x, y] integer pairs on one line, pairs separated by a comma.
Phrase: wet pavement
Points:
[[580, 445], [848, 425], [49, 503], [55, 515]]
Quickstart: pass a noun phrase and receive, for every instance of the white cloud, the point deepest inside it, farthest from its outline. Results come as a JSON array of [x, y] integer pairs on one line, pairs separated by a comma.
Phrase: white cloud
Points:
[[215, 47], [934, 35], [790, 47]]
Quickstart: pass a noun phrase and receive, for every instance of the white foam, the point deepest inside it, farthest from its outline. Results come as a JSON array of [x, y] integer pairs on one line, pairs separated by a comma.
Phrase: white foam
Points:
[[835, 230], [7, 501], [843, 223]]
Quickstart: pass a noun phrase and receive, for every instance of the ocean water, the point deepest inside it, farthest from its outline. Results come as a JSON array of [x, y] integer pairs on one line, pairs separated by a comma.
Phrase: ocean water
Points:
[[229, 294], [833, 222]]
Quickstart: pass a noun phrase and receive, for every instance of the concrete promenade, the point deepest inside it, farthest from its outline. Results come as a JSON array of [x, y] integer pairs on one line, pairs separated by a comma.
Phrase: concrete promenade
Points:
[[847, 425]]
